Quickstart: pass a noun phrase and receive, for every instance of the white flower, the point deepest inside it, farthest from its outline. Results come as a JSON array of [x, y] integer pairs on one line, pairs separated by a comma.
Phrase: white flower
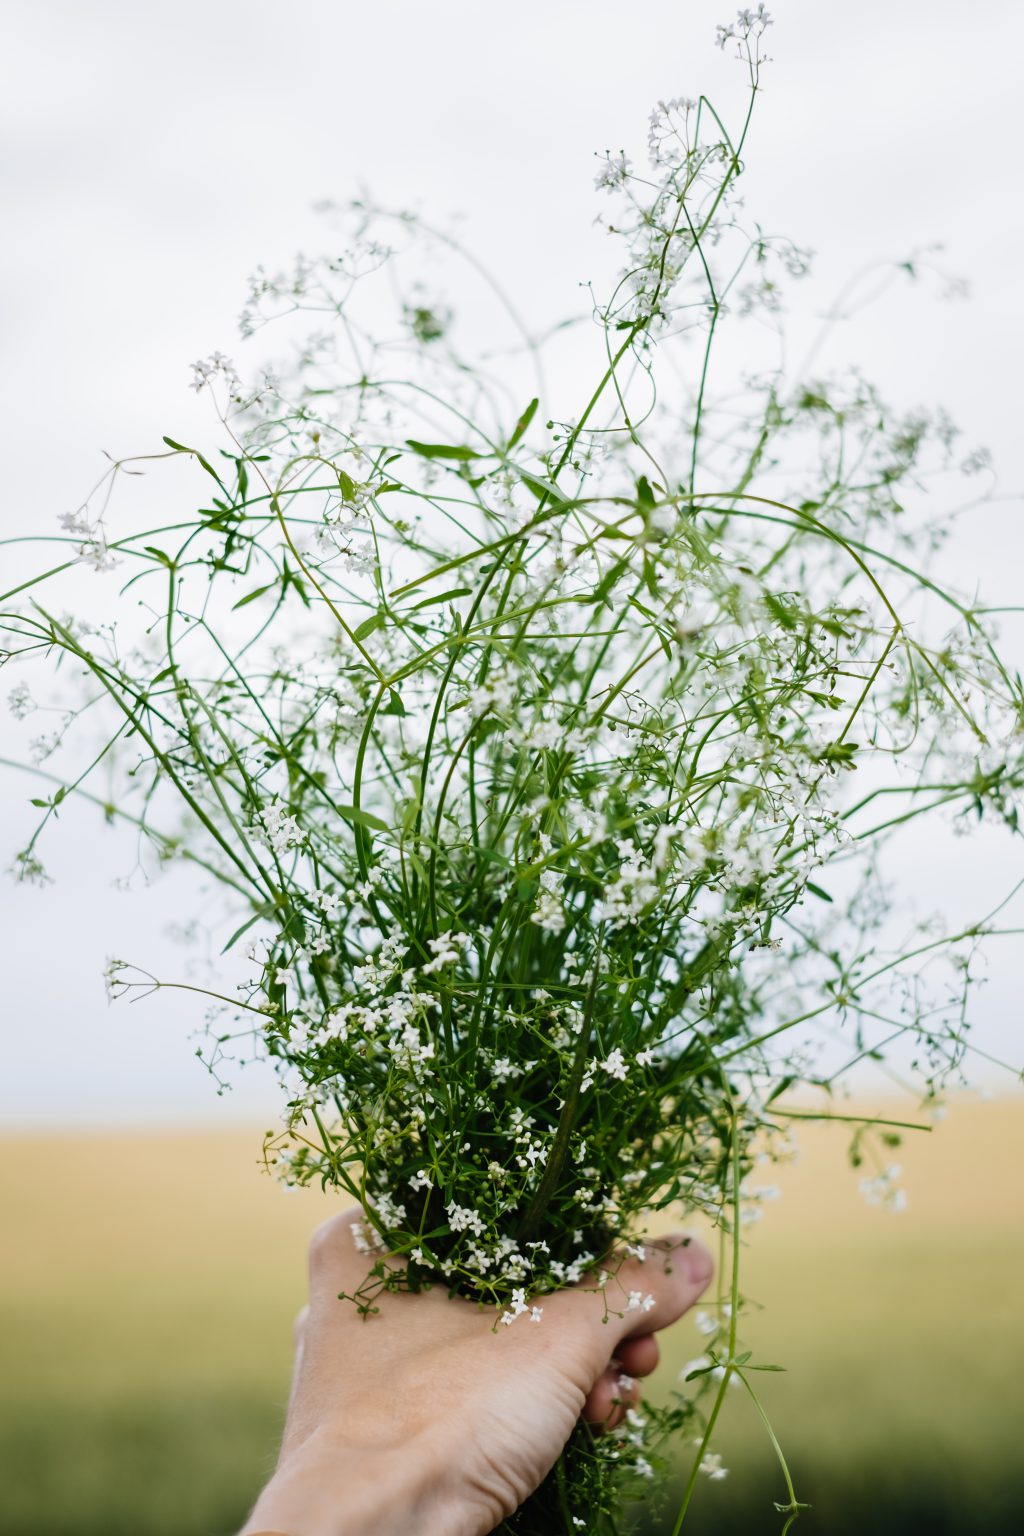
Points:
[[366, 1239], [460, 1218], [701, 1363], [883, 1191], [20, 701], [615, 1064], [645, 1058], [614, 172], [711, 1466], [549, 913], [977, 461], [519, 1307], [503, 1068], [446, 949], [215, 366], [281, 830]]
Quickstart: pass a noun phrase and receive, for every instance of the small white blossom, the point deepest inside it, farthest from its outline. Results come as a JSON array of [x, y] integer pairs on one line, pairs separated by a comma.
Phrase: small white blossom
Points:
[[615, 1064], [217, 365], [20, 701]]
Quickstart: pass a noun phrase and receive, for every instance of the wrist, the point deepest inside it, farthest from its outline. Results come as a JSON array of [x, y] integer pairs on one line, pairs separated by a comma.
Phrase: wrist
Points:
[[323, 1488]]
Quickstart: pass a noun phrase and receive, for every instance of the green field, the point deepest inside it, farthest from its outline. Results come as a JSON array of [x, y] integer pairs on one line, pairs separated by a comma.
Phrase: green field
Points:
[[149, 1284]]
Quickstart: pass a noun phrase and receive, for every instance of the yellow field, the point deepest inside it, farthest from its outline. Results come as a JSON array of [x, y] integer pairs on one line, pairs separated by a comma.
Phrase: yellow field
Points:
[[149, 1283]]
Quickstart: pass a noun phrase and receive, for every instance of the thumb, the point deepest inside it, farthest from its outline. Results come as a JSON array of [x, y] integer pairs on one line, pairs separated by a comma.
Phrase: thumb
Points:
[[654, 1290], [630, 1294]]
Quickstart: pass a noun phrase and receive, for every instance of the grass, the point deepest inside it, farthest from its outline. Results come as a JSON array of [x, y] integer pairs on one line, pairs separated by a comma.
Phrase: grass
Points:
[[150, 1282]]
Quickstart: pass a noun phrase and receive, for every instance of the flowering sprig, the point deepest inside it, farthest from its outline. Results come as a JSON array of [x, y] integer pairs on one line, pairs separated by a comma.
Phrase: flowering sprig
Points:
[[529, 753]]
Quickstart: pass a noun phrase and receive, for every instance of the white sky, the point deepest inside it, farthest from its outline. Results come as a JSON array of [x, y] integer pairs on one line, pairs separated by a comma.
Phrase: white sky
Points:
[[153, 155]]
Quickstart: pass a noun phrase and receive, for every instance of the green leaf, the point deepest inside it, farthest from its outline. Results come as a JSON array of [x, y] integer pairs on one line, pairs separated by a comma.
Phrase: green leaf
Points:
[[543, 489], [165, 560], [781, 612], [249, 597], [347, 486], [368, 626], [289, 579], [442, 597], [608, 581], [522, 424], [787, 1082], [841, 752], [262, 912], [644, 494], [362, 818], [181, 448], [816, 890], [394, 706], [442, 450]]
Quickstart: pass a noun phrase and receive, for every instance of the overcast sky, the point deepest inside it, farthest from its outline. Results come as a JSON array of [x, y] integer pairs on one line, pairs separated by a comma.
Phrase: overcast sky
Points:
[[153, 155]]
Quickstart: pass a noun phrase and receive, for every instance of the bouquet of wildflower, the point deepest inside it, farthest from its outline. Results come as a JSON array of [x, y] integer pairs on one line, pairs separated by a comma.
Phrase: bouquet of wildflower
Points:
[[524, 747]]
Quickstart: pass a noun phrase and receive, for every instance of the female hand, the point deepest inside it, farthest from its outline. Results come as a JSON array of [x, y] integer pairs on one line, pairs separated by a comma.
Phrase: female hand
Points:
[[425, 1417]]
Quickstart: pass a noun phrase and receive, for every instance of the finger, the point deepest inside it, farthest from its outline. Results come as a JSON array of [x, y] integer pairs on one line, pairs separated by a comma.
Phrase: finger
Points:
[[608, 1399], [340, 1255], [638, 1356], [651, 1292], [633, 1297]]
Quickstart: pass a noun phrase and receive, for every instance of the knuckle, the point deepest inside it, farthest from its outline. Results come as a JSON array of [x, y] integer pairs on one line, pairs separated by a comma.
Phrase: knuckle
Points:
[[327, 1244]]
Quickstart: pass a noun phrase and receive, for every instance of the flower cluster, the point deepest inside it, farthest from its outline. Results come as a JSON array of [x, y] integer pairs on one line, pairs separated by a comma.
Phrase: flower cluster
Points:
[[525, 748]]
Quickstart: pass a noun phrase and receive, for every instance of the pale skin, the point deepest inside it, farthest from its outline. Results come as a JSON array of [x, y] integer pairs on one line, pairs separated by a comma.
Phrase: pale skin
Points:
[[428, 1418]]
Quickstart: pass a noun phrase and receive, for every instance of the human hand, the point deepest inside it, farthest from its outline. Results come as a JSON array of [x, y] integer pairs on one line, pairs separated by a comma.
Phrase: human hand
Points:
[[425, 1417]]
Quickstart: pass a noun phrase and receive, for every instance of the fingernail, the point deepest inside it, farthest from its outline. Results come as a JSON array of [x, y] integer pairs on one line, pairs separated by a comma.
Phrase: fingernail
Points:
[[700, 1266]]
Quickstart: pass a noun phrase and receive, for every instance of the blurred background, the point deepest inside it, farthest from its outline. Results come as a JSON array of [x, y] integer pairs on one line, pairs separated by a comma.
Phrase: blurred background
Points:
[[153, 157]]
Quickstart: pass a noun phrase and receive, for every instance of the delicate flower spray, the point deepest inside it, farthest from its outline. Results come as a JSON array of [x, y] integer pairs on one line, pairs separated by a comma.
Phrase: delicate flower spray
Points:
[[526, 753]]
